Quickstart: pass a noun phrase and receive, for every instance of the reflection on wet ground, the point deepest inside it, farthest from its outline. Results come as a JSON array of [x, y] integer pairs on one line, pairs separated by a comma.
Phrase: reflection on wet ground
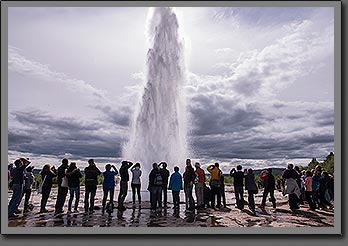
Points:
[[135, 216], [131, 217]]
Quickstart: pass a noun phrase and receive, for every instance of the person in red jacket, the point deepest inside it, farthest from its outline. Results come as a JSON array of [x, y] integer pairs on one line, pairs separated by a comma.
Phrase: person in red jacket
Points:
[[199, 185], [269, 187]]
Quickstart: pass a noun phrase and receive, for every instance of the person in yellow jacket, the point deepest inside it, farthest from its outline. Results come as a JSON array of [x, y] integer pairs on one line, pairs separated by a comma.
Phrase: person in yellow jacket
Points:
[[215, 183]]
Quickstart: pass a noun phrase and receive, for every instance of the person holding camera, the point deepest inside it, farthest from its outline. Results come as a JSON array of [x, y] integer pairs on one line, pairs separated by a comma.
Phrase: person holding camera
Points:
[[215, 184], [109, 185], [17, 175], [47, 174], [91, 182], [123, 184]]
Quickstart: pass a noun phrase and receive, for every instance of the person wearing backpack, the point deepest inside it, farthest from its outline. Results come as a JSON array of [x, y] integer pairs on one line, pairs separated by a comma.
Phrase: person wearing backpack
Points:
[[189, 178], [291, 187], [269, 187], [155, 187], [175, 185]]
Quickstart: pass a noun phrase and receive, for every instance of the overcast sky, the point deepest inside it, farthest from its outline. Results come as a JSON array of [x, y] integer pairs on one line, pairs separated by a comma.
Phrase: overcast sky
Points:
[[260, 84]]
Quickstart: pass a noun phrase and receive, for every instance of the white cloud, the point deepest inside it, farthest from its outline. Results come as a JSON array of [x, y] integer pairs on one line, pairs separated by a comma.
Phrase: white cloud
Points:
[[19, 64]]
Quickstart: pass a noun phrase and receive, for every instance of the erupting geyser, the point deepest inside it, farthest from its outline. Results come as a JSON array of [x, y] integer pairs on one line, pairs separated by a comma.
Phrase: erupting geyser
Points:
[[159, 128]]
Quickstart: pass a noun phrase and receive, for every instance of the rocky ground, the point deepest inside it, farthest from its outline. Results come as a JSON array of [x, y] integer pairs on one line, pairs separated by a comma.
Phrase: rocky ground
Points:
[[282, 216]]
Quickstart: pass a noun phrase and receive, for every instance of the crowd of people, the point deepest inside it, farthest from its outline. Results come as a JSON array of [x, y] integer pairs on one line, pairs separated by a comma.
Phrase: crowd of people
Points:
[[314, 187]]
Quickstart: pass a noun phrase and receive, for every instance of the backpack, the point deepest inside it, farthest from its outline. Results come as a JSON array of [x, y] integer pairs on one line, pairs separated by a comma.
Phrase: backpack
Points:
[[158, 179]]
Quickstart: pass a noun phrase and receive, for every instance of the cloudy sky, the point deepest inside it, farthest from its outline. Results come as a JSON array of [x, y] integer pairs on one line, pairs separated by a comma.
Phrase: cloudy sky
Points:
[[260, 83]]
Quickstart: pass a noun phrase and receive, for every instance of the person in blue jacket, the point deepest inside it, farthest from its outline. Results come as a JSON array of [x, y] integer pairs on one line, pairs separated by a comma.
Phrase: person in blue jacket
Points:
[[109, 184], [175, 185]]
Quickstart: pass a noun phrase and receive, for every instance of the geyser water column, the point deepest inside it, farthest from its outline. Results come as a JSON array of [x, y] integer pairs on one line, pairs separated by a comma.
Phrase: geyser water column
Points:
[[159, 127]]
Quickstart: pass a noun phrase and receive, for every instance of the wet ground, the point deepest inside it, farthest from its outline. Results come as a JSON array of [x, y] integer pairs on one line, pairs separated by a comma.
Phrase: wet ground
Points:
[[230, 216]]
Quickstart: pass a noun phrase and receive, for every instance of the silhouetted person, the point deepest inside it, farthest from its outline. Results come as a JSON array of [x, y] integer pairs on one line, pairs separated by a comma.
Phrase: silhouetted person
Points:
[[215, 184], [323, 190], [238, 177], [315, 187], [222, 191], [155, 187], [9, 170], [207, 196], [251, 187], [331, 186], [136, 182], [269, 187], [74, 176], [91, 182], [123, 184], [17, 175], [109, 185], [27, 188], [175, 185], [189, 178], [300, 184], [291, 187], [47, 174], [62, 191], [165, 175]]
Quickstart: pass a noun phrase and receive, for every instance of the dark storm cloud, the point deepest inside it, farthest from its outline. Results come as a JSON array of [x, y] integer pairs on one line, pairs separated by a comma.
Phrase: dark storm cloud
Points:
[[213, 114], [45, 121], [262, 147], [325, 118], [119, 116], [223, 129], [48, 135]]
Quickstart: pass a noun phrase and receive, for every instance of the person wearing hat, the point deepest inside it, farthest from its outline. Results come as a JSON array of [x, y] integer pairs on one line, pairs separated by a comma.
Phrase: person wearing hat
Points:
[[28, 183], [17, 186], [199, 185]]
